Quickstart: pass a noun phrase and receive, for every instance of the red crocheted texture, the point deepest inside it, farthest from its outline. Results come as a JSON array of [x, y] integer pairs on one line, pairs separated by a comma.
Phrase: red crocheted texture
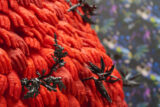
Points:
[[27, 30]]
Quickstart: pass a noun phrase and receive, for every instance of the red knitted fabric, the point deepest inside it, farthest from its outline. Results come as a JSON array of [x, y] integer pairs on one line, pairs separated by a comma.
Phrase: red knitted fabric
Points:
[[27, 30]]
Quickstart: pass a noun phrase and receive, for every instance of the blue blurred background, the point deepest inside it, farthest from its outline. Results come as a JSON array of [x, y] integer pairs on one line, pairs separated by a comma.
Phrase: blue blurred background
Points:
[[130, 31]]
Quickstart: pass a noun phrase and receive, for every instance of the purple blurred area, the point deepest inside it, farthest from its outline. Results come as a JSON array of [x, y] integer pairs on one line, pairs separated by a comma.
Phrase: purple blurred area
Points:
[[130, 31]]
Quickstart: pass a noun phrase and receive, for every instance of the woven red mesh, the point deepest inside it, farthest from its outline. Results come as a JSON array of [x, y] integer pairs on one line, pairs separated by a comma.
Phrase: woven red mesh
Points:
[[27, 30]]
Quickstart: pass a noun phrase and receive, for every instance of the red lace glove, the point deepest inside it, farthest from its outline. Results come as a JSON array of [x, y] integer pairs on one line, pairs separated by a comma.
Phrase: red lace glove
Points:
[[47, 54], [3, 102], [48, 97], [16, 19], [14, 85], [30, 71], [5, 22], [32, 43], [19, 61], [5, 62], [40, 63], [3, 84], [4, 6], [28, 17]]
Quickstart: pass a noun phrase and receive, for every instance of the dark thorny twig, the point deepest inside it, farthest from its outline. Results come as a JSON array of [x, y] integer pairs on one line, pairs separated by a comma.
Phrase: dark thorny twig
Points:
[[48, 81], [129, 80], [87, 9], [102, 76]]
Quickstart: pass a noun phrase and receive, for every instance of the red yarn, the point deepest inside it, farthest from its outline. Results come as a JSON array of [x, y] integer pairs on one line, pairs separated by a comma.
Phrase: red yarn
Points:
[[27, 30]]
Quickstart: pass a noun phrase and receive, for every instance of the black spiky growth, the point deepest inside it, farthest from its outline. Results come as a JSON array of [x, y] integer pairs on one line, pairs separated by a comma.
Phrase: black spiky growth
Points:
[[48, 81], [102, 76]]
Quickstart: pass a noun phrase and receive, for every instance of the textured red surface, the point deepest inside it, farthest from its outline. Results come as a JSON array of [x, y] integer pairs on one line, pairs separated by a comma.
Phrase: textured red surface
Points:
[[27, 32]]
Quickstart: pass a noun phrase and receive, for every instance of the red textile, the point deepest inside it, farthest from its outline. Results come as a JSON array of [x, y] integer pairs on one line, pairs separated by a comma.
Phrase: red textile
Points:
[[27, 30]]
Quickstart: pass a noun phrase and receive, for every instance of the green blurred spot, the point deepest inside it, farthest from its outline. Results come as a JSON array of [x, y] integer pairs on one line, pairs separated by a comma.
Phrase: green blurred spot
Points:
[[152, 77], [118, 49], [152, 20], [97, 28]]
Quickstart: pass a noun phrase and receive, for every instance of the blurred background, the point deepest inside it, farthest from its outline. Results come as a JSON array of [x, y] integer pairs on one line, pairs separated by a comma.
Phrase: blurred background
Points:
[[130, 32]]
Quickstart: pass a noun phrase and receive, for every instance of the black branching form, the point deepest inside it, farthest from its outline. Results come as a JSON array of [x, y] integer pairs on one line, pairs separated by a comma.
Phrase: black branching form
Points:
[[48, 81], [87, 9], [102, 76], [129, 80]]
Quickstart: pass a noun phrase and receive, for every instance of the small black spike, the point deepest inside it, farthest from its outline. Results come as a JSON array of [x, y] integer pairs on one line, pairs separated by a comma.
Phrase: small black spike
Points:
[[102, 65], [129, 80]]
